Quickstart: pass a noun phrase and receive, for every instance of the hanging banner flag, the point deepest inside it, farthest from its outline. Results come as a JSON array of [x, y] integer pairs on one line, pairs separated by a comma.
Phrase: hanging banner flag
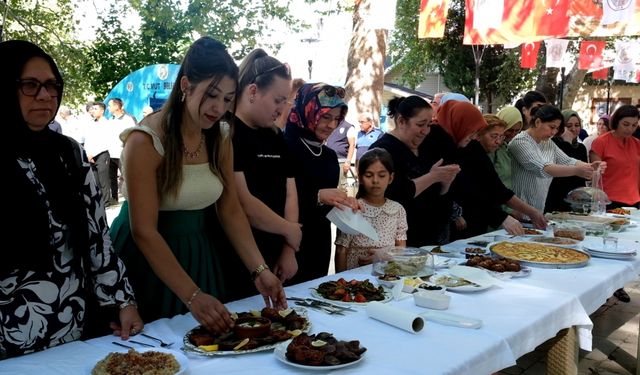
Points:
[[551, 17], [601, 74], [517, 23], [535, 20], [488, 14], [529, 55], [634, 77], [433, 17], [591, 54], [617, 11], [556, 49], [624, 64]]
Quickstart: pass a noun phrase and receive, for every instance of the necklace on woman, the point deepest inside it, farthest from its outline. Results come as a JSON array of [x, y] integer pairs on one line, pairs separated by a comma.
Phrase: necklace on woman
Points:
[[309, 148], [196, 153]]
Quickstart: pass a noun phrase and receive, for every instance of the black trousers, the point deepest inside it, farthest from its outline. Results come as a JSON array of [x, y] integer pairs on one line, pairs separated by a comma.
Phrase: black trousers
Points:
[[114, 167], [101, 170]]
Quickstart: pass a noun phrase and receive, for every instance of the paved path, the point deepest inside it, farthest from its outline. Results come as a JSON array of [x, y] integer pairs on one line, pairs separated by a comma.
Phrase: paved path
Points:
[[615, 342]]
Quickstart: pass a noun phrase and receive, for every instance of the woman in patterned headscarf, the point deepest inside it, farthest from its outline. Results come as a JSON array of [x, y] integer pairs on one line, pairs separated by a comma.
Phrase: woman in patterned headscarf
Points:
[[317, 110]]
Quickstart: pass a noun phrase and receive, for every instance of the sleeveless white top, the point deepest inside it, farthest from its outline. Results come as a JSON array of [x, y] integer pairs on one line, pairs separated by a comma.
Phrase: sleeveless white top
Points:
[[200, 186]]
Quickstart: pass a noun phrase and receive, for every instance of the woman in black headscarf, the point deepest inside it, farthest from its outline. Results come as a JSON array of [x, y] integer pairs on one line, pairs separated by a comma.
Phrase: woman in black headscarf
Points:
[[63, 262]]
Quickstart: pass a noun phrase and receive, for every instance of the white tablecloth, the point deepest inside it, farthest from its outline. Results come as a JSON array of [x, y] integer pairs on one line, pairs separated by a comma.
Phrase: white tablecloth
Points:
[[518, 315]]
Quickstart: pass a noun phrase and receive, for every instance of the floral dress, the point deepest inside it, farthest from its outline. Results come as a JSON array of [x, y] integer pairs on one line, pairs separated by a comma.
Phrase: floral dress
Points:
[[389, 221], [41, 309]]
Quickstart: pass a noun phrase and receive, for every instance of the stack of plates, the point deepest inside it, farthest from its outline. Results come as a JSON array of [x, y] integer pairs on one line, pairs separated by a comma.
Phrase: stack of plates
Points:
[[596, 250]]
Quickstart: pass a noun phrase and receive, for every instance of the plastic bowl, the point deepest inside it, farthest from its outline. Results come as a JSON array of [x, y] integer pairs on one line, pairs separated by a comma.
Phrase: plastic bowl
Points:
[[432, 299]]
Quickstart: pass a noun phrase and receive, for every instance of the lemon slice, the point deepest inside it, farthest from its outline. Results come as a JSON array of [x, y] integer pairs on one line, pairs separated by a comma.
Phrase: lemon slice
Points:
[[256, 313], [295, 332], [209, 348], [318, 343], [284, 313], [241, 344]]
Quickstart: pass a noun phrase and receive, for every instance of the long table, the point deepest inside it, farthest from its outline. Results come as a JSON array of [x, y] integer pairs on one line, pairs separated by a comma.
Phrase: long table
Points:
[[517, 314]]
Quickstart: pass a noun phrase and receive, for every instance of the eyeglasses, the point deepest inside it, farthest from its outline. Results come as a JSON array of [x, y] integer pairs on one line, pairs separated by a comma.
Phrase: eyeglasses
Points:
[[496, 137], [286, 67], [31, 87]]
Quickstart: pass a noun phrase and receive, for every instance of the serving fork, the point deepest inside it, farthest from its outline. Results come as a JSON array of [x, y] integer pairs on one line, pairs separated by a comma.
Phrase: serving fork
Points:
[[162, 343], [316, 306]]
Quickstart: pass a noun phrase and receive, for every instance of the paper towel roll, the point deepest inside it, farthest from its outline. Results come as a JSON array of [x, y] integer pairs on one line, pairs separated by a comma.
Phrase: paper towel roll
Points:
[[396, 317]]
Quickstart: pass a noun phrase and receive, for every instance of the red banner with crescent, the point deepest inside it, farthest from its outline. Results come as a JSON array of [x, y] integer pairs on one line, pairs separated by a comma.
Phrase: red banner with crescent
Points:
[[433, 17], [534, 20], [591, 54], [601, 74], [529, 55]]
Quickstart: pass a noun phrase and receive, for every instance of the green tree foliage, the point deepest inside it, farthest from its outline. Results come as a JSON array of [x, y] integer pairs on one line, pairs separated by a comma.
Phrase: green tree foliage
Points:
[[500, 73], [114, 54], [50, 25]]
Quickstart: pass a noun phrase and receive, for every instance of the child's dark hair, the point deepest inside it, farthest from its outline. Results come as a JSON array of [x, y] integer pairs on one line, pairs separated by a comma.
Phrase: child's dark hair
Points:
[[626, 110], [368, 158]]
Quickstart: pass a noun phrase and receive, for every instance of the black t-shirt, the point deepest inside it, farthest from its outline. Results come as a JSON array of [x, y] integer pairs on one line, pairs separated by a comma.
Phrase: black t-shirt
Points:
[[428, 213], [262, 155], [314, 168], [561, 186]]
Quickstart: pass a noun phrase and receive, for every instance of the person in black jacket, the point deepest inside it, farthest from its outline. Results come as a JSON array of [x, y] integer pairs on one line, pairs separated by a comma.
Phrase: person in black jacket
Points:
[[478, 189], [421, 180], [567, 140]]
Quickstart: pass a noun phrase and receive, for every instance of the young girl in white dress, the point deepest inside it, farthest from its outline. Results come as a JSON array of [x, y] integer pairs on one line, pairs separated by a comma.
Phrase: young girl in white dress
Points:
[[388, 218]]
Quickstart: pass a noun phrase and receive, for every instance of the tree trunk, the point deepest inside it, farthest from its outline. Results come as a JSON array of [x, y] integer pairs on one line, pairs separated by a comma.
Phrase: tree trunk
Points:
[[572, 85], [547, 84], [365, 65]]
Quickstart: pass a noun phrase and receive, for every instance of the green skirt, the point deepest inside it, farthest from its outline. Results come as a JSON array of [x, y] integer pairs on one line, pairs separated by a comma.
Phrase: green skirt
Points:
[[188, 238]]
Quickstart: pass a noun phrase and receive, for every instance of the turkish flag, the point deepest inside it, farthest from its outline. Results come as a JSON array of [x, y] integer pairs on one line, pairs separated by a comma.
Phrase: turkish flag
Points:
[[529, 55], [590, 54], [551, 17], [601, 74], [433, 17]]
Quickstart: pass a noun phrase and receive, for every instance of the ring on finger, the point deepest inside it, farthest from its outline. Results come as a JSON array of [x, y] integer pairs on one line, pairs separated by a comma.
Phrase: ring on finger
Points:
[[133, 332]]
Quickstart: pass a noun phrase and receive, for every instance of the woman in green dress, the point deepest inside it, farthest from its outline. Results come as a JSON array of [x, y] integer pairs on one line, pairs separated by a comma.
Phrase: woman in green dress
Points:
[[178, 169]]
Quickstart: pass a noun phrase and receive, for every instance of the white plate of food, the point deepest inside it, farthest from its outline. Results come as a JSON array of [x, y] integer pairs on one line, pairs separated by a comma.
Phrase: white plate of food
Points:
[[459, 284], [281, 354], [473, 251], [499, 268], [199, 341], [143, 359], [370, 291]]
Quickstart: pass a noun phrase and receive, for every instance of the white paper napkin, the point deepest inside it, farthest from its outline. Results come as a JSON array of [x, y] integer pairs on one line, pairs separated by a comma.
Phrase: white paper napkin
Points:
[[351, 222]]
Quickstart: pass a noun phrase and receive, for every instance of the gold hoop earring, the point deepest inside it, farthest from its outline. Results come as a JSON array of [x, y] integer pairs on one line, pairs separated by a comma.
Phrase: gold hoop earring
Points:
[[184, 95]]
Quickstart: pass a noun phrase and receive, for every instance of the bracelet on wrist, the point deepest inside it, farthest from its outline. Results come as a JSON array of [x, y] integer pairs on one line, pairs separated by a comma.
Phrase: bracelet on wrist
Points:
[[261, 268], [193, 296], [128, 303]]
